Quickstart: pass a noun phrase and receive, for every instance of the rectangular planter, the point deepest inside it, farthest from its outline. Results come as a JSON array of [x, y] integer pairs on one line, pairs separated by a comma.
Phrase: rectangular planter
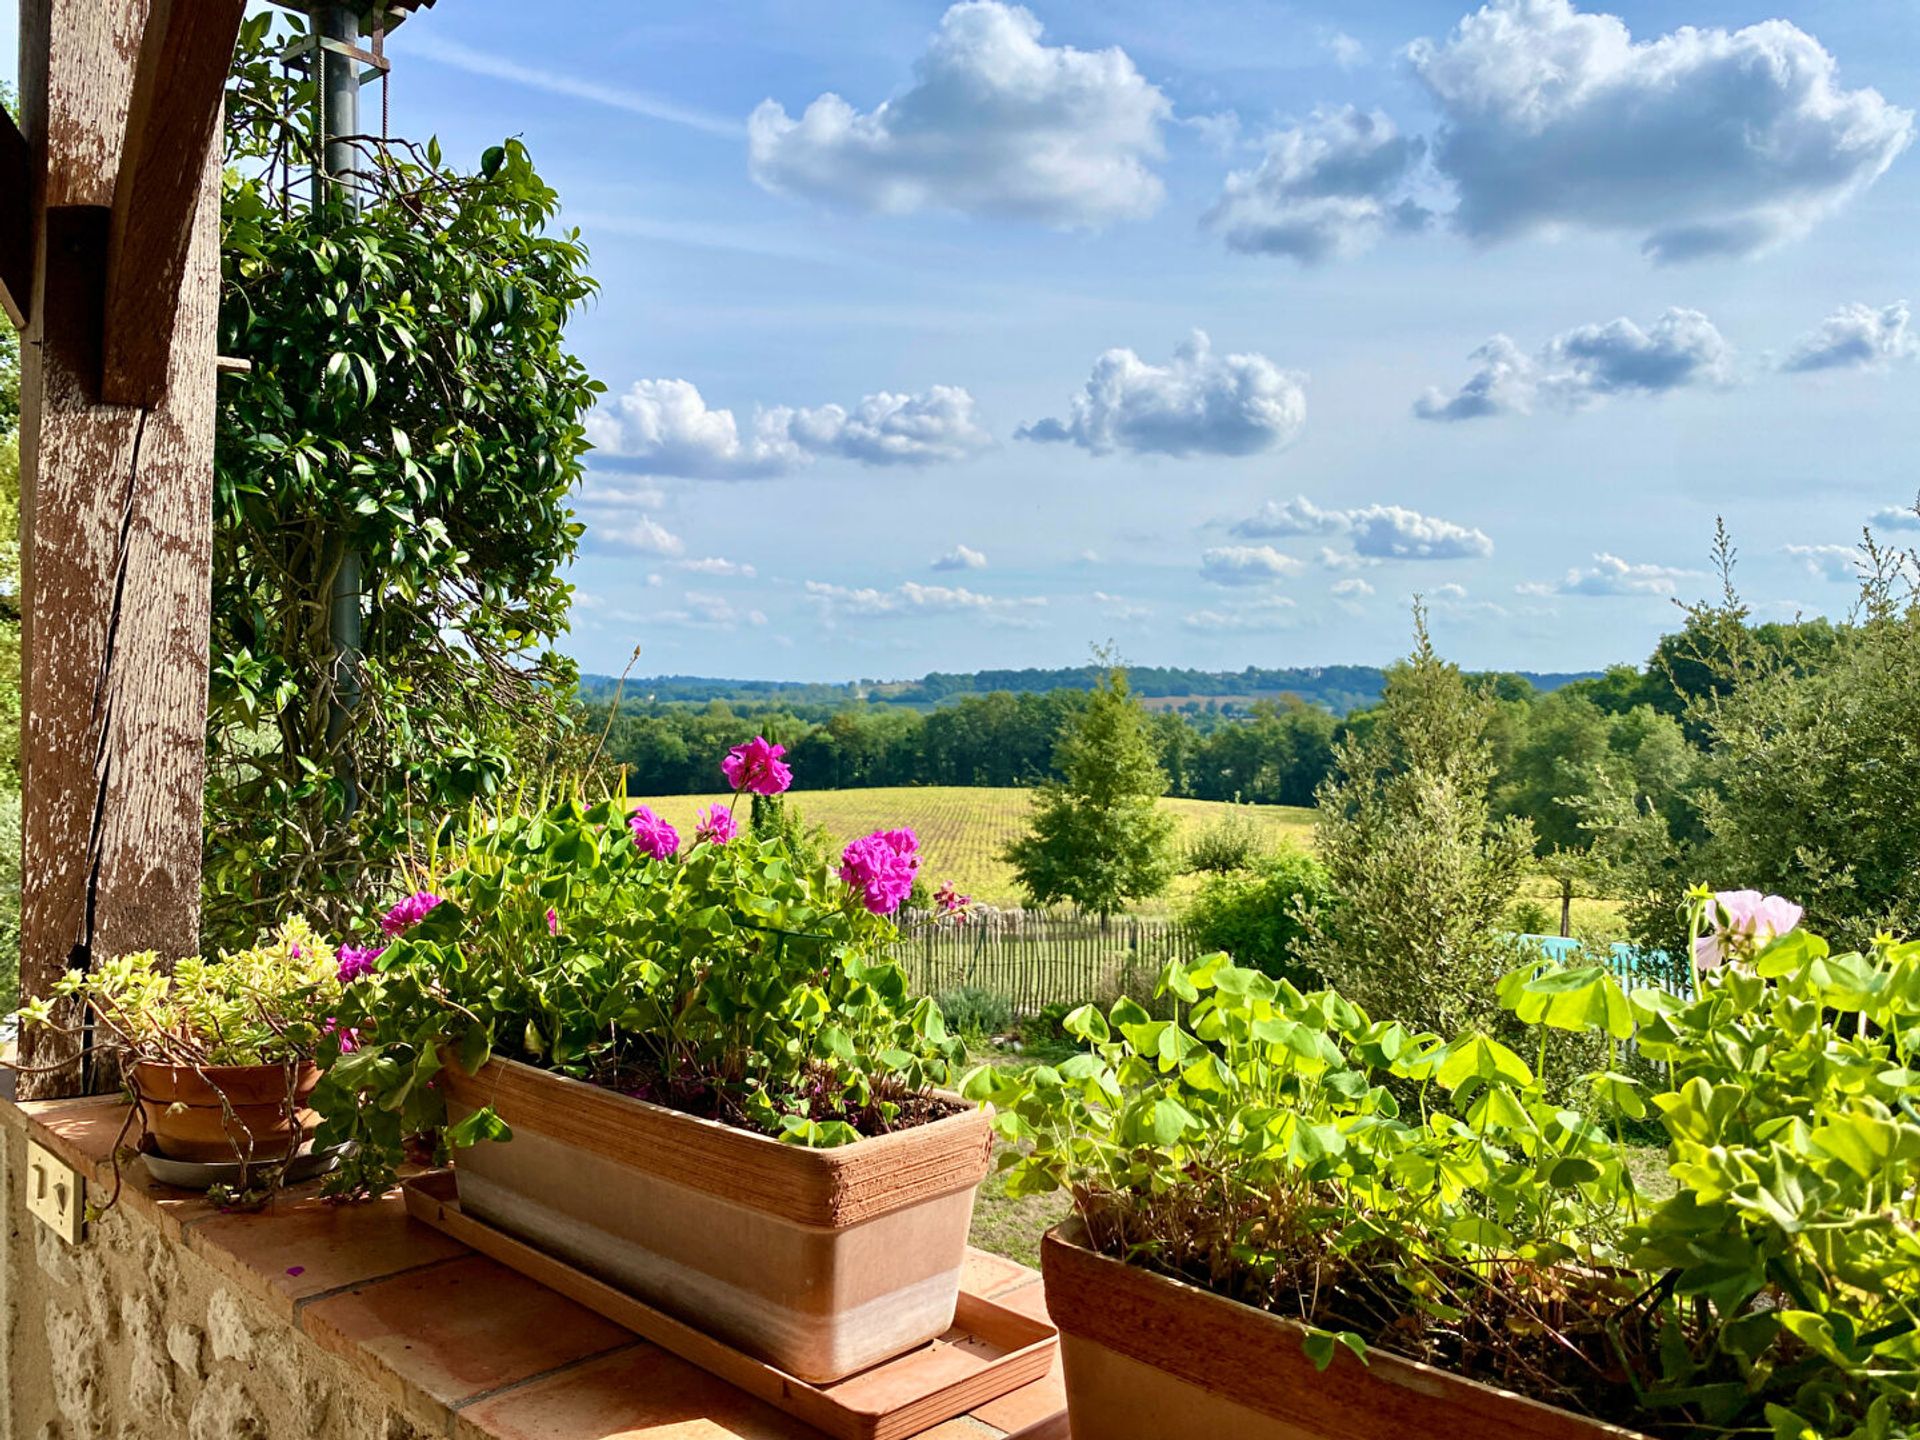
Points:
[[822, 1262], [1152, 1358]]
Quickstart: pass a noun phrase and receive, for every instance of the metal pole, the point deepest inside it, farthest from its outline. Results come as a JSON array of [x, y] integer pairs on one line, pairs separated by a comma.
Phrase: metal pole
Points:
[[338, 184]]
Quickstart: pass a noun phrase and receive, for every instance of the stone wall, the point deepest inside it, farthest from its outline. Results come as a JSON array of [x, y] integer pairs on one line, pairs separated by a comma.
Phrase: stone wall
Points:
[[129, 1335]]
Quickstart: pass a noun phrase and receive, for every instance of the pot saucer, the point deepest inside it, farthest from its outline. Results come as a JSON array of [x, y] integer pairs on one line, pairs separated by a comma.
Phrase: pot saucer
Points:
[[307, 1164]]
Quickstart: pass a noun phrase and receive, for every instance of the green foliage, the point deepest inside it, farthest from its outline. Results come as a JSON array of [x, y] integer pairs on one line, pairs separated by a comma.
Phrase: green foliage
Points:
[[1096, 840], [727, 981], [1233, 842], [1421, 874], [412, 403], [1258, 917], [974, 1013], [1261, 1142], [259, 1006]]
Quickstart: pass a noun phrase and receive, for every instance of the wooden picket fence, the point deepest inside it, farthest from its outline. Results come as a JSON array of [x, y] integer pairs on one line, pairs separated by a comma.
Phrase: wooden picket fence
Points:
[[1036, 958]]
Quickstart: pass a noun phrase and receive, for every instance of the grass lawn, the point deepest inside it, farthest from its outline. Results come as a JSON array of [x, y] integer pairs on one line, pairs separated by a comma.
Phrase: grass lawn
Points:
[[962, 829]]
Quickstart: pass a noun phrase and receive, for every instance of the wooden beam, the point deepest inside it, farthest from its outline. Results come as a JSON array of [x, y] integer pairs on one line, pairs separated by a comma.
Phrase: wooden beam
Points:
[[116, 530], [16, 221], [173, 121]]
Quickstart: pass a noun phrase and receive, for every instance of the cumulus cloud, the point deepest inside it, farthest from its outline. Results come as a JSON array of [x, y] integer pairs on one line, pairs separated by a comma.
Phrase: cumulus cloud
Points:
[[1200, 404], [1898, 517], [1377, 532], [665, 427], [1330, 187], [1827, 562], [1610, 575], [1246, 565], [701, 611], [1701, 142], [1347, 52], [1856, 337], [1351, 588], [1298, 516], [1269, 612], [994, 122], [717, 565], [1590, 363], [1119, 607], [961, 557], [842, 602]]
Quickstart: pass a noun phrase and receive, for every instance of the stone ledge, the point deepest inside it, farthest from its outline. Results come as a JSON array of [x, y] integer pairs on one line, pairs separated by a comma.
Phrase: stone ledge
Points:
[[450, 1342]]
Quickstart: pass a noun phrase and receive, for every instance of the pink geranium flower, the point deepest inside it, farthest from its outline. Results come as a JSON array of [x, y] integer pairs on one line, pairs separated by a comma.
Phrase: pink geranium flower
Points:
[[1744, 923], [757, 766], [717, 826], [353, 961], [881, 866], [951, 902], [553, 921], [409, 912], [653, 835]]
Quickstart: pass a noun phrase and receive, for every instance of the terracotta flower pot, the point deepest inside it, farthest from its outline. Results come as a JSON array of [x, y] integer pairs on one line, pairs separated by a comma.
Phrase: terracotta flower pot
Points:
[[822, 1262], [1150, 1358], [224, 1113]]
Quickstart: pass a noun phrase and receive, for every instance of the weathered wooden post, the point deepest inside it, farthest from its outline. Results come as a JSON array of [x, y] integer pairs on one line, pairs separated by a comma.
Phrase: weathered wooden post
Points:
[[120, 103]]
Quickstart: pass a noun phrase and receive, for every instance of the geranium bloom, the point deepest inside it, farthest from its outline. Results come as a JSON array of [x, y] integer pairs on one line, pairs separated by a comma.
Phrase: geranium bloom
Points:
[[717, 825], [881, 866], [951, 902], [553, 921], [409, 912], [1744, 923], [757, 766], [348, 1036], [653, 835], [356, 960]]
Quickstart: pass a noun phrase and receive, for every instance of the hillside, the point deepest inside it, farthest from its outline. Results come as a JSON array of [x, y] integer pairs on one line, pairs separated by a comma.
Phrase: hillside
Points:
[[1338, 688], [962, 829]]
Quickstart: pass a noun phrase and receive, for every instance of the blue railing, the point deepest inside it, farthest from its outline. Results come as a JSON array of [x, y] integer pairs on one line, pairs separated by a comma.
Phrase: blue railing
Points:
[[1632, 965]]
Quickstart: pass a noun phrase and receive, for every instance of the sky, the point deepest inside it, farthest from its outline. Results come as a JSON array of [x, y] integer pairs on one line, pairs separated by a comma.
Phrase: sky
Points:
[[958, 336]]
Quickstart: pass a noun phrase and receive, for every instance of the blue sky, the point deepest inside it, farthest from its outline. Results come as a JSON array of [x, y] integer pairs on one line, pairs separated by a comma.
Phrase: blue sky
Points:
[[1220, 338]]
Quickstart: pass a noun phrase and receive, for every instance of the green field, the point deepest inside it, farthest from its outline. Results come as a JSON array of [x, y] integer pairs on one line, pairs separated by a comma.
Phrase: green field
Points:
[[963, 829]]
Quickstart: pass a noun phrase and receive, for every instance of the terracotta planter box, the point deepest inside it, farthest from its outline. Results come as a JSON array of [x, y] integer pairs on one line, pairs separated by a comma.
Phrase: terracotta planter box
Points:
[[822, 1262], [1150, 1358], [225, 1113]]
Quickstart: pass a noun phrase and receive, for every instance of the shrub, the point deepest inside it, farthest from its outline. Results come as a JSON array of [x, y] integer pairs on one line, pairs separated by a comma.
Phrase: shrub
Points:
[[1258, 917], [975, 1013], [1233, 842], [1254, 1143]]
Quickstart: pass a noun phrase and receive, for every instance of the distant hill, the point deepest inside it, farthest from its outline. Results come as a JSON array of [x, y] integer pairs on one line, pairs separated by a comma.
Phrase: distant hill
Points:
[[1338, 688]]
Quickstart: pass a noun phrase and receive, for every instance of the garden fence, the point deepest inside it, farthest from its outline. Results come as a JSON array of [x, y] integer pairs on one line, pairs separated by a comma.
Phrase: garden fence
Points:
[[1035, 958]]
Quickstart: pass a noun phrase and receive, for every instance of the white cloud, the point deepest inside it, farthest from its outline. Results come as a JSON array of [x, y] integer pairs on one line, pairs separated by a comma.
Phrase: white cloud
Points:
[[1201, 404], [1346, 51], [665, 427], [1856, 337], [1450, 591], [1377, 532], [1246, 565], [699, 610], [961, 557], [1330, 187], [841, 602], [994, 123], [1827, 562], [1298, 516], [1898, 517], [436, 48], [1610, 575], [1701, 142], [1587, 364], [1353, 587], [636, 535], [1332, 559], [1119, 607], [716, 565], [1269, 612]]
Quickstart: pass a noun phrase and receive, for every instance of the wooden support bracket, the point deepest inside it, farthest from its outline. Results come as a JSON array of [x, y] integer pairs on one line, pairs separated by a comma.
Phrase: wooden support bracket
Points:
[[173, 119], [16, 222]]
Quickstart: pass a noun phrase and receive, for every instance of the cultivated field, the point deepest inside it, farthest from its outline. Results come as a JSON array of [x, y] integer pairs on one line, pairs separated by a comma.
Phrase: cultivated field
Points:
[[962, 829]]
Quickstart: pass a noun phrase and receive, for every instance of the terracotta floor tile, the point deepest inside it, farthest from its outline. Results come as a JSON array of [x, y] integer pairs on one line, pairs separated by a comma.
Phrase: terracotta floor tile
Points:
[[1029, 1299], [448, 1333], [987, 1275], [964, 1428], [638, 1393], [1029, 1405], [305, 1246], [1054, 1429], [84, 1133]]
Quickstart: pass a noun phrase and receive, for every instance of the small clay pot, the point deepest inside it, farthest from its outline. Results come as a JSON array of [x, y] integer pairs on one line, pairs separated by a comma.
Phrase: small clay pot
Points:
[[226, 1113]]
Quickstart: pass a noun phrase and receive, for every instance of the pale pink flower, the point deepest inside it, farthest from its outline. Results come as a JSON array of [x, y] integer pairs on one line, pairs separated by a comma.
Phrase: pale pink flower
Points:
[[757, 766], [1744, 923], [717, 826]]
